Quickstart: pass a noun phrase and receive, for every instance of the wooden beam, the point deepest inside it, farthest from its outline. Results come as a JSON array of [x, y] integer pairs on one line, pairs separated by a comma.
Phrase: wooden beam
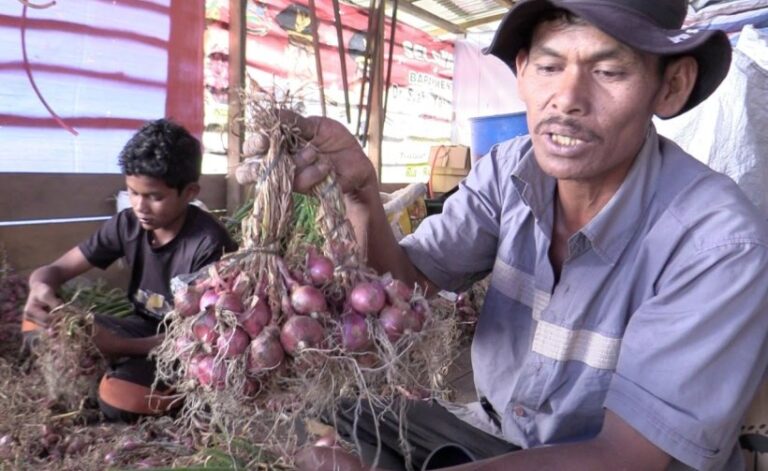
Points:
[[506, 3], [481, 21], [409, 7], [42, 196], [236, 83], [453, 8]]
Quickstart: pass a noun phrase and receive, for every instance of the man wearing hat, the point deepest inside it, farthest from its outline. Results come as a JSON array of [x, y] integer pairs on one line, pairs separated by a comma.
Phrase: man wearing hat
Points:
[[625, 325]]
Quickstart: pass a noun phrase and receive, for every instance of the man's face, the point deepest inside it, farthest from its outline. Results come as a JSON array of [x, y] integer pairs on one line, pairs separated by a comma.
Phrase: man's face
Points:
[[589, 100], [156, 205]]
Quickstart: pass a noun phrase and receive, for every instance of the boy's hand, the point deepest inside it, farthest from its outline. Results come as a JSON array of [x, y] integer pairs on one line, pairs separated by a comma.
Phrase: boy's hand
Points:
[[42, 299]]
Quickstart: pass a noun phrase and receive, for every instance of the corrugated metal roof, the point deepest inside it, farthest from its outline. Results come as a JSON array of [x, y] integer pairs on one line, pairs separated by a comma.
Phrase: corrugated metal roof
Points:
[[446, 17]]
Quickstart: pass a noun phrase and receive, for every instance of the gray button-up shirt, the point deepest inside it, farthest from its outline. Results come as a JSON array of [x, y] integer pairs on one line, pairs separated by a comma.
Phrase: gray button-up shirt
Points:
[[659, 314]]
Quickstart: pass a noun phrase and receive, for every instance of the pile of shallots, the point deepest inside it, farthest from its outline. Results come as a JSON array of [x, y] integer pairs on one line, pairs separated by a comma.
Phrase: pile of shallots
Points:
[[217, 324]]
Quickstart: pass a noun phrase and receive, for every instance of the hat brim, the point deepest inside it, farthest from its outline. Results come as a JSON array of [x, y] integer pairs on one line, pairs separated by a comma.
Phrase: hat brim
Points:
[[710, 48]]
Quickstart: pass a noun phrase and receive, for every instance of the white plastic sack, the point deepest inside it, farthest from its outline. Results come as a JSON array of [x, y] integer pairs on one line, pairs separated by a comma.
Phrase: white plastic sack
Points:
[[727, 131], [398, 201]]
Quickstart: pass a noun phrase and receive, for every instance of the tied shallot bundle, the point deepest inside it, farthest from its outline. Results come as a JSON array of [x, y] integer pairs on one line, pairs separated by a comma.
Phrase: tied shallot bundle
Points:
[[13, 292], [67, 358], [280, 330]]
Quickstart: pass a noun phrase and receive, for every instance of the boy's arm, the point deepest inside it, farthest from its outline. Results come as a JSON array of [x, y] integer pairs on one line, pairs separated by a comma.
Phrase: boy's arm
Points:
[[111, 344], [46, 280]]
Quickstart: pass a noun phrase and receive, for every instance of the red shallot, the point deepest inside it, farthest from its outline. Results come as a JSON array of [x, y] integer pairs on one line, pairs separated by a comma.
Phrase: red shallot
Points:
[[204, 328], [265, 352], [187, 302], [232, 342], [367, 298], [299, 333], [319, 267], [354, 332], [208, 299]]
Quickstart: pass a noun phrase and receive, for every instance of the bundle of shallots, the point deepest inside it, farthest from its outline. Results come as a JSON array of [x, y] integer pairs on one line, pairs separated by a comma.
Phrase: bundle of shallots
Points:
[[280, 330], [69, 361]]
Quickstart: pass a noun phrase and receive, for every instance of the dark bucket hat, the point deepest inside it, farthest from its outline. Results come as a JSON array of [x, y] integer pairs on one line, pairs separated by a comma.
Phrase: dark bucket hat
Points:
[[651, 26]]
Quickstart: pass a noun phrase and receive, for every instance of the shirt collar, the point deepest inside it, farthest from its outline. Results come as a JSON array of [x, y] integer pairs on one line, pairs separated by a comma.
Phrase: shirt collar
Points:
[[613, 227], [535, 187], [615, 224]]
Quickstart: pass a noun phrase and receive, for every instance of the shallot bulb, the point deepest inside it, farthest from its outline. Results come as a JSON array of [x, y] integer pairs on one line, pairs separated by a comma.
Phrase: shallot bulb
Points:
[[396, 322], [184, 347], [255, 318], [299, 333], [187, 303], [308, 300], [463, 299], [265, 352], [232, 342], [230, 302], [367, 298], [193, 367], [208, 299], [319, 267], [397, 292], [211, 373], [251, 388], [204, 328], [354, 332], [285, 306]]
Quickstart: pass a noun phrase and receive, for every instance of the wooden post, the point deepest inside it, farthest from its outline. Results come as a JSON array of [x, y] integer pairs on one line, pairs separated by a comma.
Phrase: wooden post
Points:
[[342, 57], [236, 82], [314, 26], [375, 123]]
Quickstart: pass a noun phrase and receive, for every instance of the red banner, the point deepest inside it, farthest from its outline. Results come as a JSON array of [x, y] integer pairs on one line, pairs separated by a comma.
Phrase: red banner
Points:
[[280, 51]]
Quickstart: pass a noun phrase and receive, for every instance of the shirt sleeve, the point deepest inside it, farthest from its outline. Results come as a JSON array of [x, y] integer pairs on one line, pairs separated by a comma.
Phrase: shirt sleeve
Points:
[[457, 247], [212, 249], [105, 245], [693, 356]]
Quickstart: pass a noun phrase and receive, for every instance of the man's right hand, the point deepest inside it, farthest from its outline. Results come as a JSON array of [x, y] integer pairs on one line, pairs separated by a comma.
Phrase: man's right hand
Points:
[[42, 299], [331, 147]]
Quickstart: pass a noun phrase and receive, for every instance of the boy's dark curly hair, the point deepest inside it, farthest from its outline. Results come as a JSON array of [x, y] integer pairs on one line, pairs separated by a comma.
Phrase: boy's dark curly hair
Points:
[[165, 150]]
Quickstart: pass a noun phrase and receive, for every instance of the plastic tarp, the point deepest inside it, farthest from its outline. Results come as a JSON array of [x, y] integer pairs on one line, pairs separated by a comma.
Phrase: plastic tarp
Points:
[[727, 131], [703, 10], [482, 86]]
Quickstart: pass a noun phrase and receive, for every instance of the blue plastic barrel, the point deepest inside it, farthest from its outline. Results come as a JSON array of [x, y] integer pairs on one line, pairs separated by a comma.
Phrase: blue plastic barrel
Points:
[[490, 130]]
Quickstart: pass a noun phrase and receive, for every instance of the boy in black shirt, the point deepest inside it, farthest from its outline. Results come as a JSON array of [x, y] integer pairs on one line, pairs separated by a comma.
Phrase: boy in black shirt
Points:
[[160, 236]]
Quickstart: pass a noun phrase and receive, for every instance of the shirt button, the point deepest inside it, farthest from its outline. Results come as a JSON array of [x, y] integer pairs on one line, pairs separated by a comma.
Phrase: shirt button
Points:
[[519, 411]]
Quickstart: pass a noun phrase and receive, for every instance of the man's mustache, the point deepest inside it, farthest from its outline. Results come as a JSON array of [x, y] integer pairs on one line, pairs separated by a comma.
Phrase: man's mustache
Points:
[[574, 128]]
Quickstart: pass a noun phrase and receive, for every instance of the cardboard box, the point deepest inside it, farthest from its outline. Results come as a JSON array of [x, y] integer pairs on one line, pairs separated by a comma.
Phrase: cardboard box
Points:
[[449, 165], [449, 156], [443, 179]]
